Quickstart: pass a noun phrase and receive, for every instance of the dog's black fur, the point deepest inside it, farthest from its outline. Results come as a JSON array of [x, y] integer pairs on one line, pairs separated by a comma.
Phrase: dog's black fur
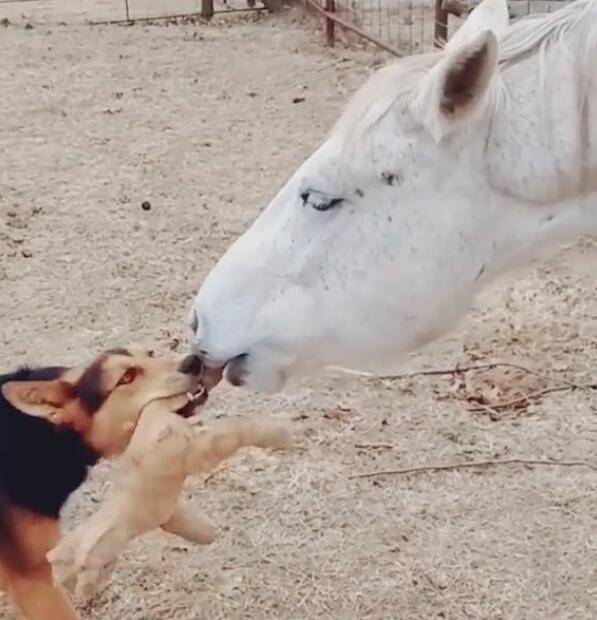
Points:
[[41, 464]]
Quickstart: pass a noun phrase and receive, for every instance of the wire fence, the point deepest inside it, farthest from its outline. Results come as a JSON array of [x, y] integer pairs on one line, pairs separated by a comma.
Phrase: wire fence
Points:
[[399, 26], [122, 11], [405, 27]]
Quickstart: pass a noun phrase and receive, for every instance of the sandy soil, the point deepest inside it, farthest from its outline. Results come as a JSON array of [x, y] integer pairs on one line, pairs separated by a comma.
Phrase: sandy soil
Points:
[[200, 122]]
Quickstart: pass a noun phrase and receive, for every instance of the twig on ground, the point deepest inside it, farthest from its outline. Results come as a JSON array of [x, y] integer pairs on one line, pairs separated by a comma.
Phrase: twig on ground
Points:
[[212, 475], [495, 407], [374, 446], [451, 371], [534, 395], [492, 413], [473, 464]]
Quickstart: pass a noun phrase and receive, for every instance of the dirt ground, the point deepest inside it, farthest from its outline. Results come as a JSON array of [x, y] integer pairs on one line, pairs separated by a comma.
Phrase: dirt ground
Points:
[[200, 122]]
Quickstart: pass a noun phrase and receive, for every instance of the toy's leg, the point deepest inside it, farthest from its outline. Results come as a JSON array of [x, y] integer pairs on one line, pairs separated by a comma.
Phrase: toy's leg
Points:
[[189, 525], [90, 580], [221, 439]]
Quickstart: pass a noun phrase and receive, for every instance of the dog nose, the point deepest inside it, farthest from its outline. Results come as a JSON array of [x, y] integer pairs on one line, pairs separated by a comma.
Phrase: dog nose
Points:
[[191, 365]]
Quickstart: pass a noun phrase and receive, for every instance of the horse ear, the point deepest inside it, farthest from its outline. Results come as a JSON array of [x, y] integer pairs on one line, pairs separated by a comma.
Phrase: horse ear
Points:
[[488, 15], [457, 87]]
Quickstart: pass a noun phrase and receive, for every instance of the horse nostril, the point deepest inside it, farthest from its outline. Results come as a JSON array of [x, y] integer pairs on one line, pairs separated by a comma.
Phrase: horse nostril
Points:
[[191, 365], [194, 324]]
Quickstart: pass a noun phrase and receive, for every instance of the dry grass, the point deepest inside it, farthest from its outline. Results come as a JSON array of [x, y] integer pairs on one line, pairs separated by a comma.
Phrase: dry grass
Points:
[[200, 123]]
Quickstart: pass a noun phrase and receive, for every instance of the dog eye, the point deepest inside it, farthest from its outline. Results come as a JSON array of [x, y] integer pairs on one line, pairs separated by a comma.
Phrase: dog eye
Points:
[[320, 201], [128, 377]]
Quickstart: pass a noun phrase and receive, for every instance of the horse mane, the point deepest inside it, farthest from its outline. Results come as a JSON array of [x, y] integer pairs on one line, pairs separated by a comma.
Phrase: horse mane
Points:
[[538, 33]]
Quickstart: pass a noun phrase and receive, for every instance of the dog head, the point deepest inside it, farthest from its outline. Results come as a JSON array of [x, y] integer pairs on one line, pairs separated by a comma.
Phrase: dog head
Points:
[[103, 401]]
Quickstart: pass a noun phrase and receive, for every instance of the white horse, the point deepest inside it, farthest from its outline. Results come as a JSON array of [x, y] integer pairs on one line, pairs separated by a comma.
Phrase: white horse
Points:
[[445, 170]]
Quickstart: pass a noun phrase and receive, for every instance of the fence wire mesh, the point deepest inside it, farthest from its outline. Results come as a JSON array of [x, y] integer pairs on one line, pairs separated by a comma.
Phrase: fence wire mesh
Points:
[[409, 26], [405, 26]]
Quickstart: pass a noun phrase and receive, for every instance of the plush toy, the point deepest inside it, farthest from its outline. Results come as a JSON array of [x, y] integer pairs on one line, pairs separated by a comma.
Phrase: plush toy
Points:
[[165, 448]]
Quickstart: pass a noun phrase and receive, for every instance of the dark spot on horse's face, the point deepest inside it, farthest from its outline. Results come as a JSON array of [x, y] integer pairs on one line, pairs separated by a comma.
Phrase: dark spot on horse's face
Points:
[[481, 272], [549, 218], [392, 178], [359, 192], [388, 177]]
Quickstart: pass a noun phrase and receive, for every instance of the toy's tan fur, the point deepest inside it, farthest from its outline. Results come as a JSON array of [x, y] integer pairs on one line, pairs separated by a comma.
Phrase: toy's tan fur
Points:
[[164, 450]]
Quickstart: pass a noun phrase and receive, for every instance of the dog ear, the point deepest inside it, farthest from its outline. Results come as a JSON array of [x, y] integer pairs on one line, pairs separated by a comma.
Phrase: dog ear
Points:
[[42, 399]]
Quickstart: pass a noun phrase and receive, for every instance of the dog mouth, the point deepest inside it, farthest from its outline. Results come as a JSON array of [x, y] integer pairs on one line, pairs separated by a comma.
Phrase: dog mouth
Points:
[[194, 399]]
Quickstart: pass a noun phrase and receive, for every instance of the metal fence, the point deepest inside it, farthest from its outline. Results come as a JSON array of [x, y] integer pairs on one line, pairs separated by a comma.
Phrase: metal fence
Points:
[[405, 27], [197, 9], [122, 11], [398, 26]]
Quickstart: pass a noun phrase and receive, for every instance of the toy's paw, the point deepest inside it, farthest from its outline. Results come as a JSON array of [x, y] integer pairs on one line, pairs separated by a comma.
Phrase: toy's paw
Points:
[[84, 576], [63, 561], [191, 526], [84, 562], [90, 580]]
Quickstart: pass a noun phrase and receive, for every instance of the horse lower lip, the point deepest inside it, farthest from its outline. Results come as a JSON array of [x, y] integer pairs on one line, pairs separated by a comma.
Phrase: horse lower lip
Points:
[[235, 371]]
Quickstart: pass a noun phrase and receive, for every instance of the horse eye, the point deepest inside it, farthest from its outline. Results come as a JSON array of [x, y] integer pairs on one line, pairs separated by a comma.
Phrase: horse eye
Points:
[[319, 201]]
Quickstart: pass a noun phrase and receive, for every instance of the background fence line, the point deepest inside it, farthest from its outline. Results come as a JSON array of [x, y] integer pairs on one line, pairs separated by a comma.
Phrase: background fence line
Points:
[[404, 27], [399, 27]]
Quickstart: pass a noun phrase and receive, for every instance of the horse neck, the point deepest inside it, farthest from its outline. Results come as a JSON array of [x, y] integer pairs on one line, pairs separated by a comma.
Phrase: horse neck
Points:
[[542, 142], [540, 158]]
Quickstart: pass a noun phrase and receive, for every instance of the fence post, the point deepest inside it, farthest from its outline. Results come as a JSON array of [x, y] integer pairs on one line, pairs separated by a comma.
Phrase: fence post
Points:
[[272, 6], [330, 25], [440, 34], [207, 9]]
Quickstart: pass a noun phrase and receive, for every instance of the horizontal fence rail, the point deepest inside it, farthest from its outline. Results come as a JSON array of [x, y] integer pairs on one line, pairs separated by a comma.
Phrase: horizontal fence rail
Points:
[[129, 11], [404, 27], [399, 27]]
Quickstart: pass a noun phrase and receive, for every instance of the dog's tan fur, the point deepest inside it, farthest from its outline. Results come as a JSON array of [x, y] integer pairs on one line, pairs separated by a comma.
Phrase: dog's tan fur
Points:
[[131, 378], [129, 381]]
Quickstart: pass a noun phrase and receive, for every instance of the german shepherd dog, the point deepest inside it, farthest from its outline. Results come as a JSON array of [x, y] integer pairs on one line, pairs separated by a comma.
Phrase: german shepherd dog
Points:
[[55, 423]]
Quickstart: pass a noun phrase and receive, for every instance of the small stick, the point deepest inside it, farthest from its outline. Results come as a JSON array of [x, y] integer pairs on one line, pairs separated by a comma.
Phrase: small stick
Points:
[[454, 466], [374, 446], [211, 476], [534, 395], [450, 371]]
